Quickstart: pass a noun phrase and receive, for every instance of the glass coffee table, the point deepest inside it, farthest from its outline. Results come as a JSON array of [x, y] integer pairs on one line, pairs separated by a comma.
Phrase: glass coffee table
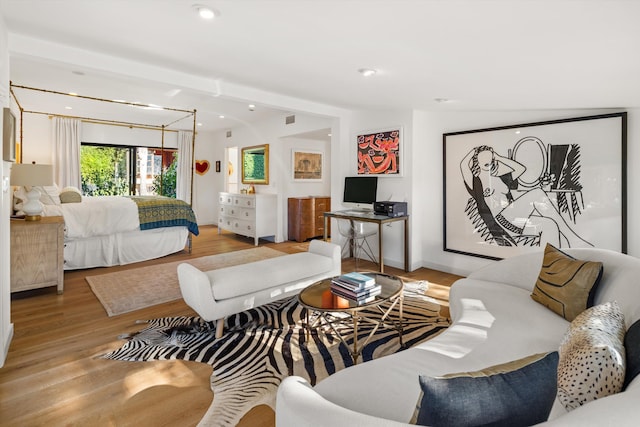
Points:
[[329, 309]]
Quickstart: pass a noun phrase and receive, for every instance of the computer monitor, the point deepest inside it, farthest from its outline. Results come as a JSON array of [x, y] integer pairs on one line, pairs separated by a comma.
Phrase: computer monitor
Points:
[[360, 191]]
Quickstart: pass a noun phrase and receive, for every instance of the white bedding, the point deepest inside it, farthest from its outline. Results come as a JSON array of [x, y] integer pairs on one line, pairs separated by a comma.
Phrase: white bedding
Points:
[[94, 216], [124, 248]]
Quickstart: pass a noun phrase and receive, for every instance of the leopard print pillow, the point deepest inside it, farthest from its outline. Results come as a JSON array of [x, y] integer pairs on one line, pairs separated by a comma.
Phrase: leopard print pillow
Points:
[[592, 356]]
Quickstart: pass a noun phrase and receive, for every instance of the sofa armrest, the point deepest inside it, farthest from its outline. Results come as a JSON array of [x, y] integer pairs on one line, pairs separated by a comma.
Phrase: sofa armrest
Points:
[[330, 250], [298, 405], [196, 291]]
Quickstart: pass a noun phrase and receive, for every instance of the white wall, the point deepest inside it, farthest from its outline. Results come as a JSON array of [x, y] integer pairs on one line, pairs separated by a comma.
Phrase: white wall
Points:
[[396, 188], [282, 138], [428, 197], [205, 187], [6, 327]]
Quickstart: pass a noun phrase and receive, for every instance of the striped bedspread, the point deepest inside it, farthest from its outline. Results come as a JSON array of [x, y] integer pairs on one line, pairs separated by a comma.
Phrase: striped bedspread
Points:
[[158, 211]]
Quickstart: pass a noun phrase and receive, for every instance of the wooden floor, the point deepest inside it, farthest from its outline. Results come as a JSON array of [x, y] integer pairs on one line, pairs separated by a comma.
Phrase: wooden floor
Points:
[[53, 375]]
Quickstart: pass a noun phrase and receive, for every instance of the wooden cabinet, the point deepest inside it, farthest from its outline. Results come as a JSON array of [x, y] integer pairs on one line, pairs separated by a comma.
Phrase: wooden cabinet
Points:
[[306, 217], [251, 215], [37, 254]]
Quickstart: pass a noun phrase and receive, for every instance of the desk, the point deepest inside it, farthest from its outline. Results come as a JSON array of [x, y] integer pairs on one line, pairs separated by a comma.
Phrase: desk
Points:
[[378, 219]]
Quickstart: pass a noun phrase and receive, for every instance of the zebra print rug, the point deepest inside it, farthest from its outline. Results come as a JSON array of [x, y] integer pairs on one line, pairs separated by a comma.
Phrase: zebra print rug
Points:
[[263, 345]]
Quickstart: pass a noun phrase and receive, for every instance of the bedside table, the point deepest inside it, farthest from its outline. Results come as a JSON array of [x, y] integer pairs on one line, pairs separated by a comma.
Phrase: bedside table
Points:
[[37, 254]]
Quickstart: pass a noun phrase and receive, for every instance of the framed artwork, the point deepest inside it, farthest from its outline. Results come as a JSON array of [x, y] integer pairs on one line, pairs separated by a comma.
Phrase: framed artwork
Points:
[[255, 164], [379, 152], [306, 165], [202, 166], [512, 189], [9, 137], [218, 165]]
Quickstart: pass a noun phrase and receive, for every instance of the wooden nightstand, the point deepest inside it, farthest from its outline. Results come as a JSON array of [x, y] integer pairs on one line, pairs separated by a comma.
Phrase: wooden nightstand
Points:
[[37, 249]]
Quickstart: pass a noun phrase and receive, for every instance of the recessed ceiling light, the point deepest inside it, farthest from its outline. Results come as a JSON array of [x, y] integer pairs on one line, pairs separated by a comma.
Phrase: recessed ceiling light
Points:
[[199, 124], [68, 108], [221, 116], [367, 72], [252, 107], [204, 11]]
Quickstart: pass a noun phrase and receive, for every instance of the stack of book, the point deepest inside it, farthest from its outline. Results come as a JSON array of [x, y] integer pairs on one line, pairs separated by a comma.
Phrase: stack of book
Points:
[[356, 287]]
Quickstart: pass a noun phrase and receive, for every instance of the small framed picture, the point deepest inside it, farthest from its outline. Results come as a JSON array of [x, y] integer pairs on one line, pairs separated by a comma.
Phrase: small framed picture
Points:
[[9, 137], [307, 165], [217, 165]]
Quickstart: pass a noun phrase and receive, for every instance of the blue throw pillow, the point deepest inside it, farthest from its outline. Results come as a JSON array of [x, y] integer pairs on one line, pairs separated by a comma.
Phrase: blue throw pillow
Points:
[[632, 349], [518, 393]]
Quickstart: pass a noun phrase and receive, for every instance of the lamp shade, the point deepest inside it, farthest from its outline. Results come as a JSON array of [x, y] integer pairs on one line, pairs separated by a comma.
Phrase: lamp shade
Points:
[[31, 174]]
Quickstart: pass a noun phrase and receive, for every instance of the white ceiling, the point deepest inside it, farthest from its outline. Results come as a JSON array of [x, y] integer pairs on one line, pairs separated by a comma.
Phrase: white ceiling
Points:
[[303, 55]]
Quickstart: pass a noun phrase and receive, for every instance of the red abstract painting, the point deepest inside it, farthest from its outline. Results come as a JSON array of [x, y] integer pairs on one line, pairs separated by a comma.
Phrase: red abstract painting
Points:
[[379, 153]]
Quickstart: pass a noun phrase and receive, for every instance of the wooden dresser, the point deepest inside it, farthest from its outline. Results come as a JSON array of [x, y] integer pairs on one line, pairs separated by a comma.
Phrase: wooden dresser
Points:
[[251, 215], [37, 254], [306, 217]]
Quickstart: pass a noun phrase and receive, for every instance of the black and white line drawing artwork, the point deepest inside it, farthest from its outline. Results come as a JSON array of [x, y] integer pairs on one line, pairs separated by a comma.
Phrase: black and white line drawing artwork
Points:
[[529, 195]]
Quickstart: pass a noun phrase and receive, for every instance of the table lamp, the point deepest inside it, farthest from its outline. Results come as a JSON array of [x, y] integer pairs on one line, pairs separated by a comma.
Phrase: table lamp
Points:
[[25, 174]]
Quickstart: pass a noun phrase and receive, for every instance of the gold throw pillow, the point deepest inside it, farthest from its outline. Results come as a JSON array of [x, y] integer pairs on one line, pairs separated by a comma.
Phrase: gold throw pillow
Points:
[[566, 285]]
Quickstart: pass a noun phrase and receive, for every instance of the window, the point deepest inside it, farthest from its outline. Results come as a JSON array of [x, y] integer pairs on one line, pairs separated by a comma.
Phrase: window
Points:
[[114, 170]]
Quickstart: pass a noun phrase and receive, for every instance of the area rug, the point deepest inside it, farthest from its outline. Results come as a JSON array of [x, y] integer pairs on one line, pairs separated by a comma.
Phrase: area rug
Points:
[[261, 346], [130, 290]]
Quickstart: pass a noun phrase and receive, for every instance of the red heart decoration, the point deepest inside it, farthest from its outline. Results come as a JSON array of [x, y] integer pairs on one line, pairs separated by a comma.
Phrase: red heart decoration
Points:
[[202, 166]]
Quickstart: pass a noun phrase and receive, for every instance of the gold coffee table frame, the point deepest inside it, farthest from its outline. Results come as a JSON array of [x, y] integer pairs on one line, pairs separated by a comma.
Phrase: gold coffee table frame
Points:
[[330, 309]]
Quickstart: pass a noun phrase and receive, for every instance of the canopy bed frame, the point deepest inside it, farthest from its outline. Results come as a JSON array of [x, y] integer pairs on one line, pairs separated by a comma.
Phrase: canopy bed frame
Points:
[[89, 242]]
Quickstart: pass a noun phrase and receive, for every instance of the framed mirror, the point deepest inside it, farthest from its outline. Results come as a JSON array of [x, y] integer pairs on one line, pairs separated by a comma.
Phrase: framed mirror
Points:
[[255, 164]]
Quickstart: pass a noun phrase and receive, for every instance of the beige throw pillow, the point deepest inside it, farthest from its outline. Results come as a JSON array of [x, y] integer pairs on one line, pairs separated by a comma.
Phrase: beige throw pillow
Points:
[[70, 195], [566, 285]]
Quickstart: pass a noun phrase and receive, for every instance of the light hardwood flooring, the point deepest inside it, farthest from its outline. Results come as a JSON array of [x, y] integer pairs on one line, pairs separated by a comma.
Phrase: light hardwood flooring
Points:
[[53, 376]]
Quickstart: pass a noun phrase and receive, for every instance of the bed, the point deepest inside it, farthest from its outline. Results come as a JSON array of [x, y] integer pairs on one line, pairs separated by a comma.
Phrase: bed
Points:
[[104, 231]]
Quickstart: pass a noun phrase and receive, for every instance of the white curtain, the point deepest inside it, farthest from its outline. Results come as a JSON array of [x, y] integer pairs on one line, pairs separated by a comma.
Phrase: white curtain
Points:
[[185, 166], [66, 152]]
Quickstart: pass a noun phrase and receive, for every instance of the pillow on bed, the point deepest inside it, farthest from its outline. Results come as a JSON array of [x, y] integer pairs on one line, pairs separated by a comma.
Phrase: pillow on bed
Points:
[[49, 195], [70, 195]]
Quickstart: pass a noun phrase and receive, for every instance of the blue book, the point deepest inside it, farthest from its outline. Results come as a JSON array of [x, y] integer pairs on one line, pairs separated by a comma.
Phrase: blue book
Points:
[[362, 280]]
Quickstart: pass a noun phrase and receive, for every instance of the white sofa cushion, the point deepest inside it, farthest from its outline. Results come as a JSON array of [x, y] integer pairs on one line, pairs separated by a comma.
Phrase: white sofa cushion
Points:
[[239, 280]]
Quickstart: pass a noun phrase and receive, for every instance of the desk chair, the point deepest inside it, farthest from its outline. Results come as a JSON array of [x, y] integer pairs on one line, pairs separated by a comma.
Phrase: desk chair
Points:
[[356, 233]]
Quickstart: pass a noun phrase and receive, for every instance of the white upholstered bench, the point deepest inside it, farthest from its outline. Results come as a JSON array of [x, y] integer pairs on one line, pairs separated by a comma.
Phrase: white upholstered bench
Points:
[[219, 293]]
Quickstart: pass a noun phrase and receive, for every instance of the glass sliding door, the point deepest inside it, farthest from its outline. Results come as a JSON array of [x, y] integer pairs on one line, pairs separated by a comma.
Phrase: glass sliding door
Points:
[[112, 170], [105, 170]]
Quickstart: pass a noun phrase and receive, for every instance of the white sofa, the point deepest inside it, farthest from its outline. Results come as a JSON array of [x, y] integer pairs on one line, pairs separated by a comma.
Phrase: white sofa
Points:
[[494, 320], [219, 293]]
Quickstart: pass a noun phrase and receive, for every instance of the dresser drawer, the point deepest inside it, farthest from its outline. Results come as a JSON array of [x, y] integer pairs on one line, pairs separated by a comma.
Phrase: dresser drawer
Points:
[[244, 202], [246, 228]]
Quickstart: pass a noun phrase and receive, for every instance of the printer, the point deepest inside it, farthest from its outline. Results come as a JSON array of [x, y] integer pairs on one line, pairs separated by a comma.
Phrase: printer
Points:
[[391, 209]]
